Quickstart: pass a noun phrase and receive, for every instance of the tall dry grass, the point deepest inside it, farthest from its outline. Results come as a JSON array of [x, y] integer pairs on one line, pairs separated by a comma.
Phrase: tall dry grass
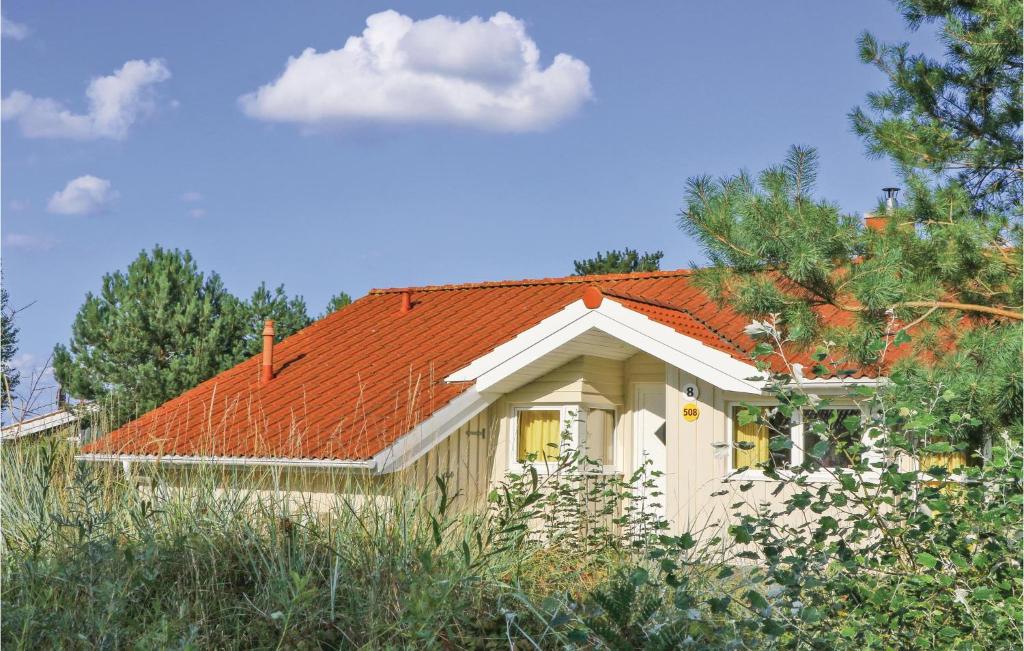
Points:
[[95, 558]]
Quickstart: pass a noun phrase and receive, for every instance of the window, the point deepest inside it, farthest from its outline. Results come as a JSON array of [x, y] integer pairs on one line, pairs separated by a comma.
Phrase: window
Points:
[[837, 430], [599, 440], [758, 434], [540, 431], [829, 436], [539, 434]]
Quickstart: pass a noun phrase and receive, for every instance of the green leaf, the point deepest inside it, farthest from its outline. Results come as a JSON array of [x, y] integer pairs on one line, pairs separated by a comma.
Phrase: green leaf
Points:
[[719, 605], [810, 615], [748, 416], [927, 560], [984, 594], [639, 576], [820, 449], [779, 443], [741, 534], [757, 600]]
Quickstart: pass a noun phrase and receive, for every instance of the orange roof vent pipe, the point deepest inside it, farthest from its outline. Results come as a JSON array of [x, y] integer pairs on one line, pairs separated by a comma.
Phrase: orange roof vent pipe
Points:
[[267, 372], [406, 302]]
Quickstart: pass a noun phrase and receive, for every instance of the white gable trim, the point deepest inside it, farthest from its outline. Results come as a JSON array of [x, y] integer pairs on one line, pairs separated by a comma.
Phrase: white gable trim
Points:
[[611, 317], [546, 328], [419, 440]]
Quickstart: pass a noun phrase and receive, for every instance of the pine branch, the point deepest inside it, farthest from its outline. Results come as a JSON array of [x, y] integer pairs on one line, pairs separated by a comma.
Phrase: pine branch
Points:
[[944, 305]]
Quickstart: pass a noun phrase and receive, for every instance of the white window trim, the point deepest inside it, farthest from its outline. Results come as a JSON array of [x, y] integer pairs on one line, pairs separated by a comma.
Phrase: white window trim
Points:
[[574, 414], [612, 468], [796, 435], [564, 414], [750, 474]]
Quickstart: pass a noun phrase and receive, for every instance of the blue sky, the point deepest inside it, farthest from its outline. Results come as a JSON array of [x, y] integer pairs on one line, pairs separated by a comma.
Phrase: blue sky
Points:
[[480, 176]]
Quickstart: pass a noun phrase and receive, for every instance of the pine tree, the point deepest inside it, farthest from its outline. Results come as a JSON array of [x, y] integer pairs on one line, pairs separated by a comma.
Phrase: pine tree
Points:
[[957, 117], [161, 327], [10, 376], [948, 262], [289, 316], [338, 301], [618, 262]]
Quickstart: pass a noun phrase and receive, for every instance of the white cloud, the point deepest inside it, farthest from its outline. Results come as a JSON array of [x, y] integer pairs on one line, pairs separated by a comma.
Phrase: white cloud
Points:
[[11, 29], [197, 213], [191, 197], [24, 362], [24, 242], [81, 196], [115, 103], [478, 73]]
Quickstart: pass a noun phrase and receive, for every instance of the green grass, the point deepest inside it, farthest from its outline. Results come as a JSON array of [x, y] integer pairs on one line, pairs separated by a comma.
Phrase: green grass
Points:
[[90, 562]]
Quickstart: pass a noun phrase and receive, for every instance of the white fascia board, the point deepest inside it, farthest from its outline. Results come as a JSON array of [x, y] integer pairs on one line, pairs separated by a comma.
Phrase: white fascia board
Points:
[[686, 353], [174, 459], [38, 424], [534, 352], [546, 328], [419, 440], [834, 385]]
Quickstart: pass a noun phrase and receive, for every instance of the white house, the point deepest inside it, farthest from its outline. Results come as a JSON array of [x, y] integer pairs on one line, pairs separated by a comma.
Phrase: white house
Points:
[[472, 379]]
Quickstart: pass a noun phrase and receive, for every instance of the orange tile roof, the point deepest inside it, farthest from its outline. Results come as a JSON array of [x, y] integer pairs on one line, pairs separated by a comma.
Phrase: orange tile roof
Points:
[[352, 383]]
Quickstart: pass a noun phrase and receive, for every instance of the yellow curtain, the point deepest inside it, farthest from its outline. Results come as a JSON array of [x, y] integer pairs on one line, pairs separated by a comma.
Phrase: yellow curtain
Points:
[[538, 429], [755, 433], [951, 461]]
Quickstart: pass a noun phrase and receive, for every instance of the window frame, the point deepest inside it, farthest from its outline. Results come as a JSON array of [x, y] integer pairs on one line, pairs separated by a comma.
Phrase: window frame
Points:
[[608, 468], [732, 473], [796, 436], [576, 415], [830, 407]]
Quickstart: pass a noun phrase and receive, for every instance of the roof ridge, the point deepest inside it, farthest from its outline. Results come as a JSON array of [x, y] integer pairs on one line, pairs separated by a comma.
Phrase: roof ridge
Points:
[[679, 308], [615, 293], [528, 282]]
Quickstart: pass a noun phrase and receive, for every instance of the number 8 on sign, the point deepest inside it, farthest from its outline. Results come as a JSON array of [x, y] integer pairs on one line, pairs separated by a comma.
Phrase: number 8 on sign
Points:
[[690, 391]]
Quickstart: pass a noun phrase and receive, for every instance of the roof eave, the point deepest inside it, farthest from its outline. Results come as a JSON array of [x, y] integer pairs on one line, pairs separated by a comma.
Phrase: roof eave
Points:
[[200, 460]]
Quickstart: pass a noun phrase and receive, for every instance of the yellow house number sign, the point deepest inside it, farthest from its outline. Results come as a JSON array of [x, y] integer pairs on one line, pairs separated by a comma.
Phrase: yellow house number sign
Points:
[[691, 412]]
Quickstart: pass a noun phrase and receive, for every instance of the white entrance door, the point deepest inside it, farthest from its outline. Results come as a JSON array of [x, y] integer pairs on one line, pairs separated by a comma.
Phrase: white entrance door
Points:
[[649, 437]]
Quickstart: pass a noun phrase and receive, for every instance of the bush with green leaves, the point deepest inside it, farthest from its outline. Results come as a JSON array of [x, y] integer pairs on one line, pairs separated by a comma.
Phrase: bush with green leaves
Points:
[[569, 500], [890, 550]]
